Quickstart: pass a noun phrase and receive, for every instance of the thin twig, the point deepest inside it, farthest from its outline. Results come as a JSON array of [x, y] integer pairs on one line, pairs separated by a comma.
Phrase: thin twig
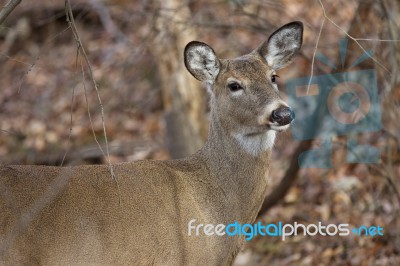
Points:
[[352, 38], [70, 125], [375, 40], [37, 57], [315, 51], [7, 9], [5, 131], [291, 173], [71, 22]]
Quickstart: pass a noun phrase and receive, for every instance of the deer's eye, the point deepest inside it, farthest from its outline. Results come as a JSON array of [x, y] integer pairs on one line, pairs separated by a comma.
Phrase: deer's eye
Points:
[[273, 78], [234, 86]]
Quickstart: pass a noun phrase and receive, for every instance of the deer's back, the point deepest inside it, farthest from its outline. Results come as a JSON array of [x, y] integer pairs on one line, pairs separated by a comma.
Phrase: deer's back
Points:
[[80, 215]]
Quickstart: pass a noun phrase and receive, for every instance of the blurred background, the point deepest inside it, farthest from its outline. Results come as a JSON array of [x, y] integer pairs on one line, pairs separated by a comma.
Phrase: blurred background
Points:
[[151, 107]]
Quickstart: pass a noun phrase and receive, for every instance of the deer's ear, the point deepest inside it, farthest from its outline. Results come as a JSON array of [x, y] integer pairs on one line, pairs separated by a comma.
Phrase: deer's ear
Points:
[[281, 47], [201, 61]]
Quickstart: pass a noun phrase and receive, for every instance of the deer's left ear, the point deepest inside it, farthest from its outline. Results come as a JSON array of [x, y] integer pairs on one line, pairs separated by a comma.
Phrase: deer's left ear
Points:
[[281, 47]]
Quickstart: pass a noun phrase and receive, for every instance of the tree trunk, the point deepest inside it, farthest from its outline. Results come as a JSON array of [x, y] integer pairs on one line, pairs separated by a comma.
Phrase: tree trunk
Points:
[[184, 100]]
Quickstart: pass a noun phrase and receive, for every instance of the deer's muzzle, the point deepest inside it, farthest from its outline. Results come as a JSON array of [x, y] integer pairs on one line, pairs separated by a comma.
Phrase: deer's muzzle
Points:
[[283, 116]]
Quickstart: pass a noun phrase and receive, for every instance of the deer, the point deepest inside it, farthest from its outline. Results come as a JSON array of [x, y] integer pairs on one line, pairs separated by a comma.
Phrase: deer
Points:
[[79, 215]]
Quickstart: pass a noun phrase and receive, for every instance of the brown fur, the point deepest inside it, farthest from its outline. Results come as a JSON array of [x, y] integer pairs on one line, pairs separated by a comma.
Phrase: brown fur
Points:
[[79, 216]]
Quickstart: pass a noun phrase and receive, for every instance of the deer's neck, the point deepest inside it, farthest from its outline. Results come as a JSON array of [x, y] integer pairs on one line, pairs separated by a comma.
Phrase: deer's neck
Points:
[[241, 175]]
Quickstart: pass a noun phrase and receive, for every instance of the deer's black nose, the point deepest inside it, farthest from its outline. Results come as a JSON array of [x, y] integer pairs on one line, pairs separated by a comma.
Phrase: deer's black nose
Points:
[[282, 116]]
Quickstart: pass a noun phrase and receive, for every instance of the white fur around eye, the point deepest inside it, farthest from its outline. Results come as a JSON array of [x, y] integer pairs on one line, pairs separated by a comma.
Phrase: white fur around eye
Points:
[[237, 93]]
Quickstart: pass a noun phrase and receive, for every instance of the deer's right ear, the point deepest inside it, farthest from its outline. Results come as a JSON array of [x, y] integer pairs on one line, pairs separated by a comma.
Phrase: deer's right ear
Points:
[[201, 61]]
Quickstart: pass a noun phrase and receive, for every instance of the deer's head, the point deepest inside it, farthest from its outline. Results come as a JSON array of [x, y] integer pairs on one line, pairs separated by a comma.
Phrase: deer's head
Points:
[[245, 98]]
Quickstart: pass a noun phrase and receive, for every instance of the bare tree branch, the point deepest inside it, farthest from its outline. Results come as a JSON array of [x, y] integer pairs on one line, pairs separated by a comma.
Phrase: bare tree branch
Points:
[[352, 38], [7, 9], [71, 22], [314, 53], [291, 174]]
